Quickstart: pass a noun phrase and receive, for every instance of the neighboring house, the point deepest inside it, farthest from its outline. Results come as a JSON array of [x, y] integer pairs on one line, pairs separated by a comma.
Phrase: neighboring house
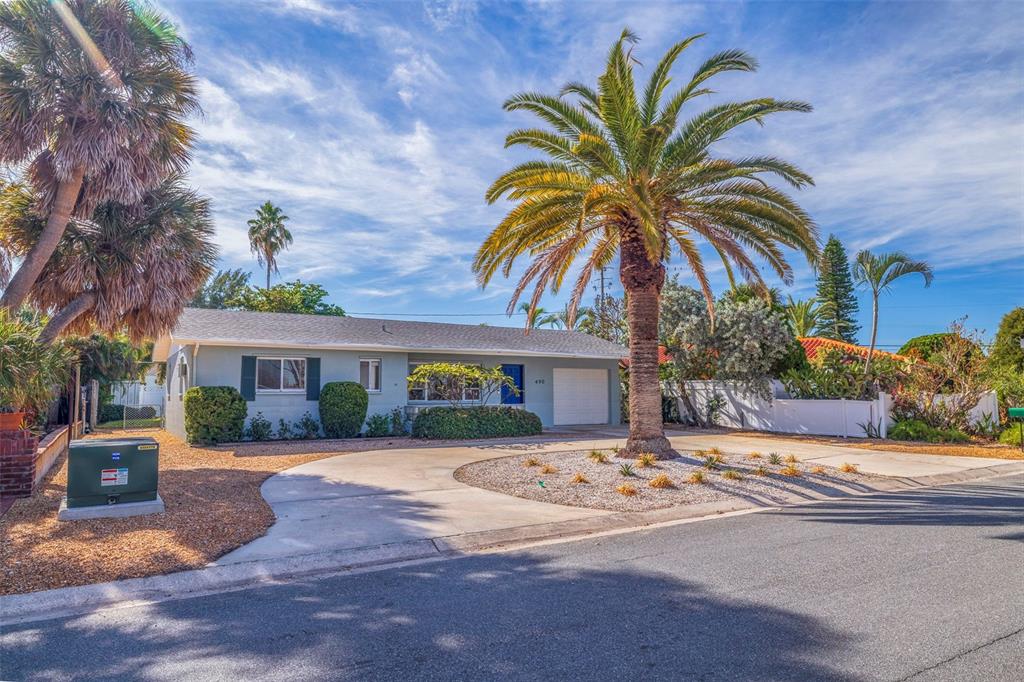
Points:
[[815, 344], [280, 361]]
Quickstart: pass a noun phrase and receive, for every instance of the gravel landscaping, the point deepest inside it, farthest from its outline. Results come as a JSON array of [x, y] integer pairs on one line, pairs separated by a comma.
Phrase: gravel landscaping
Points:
[[974, 449], [553, 477]]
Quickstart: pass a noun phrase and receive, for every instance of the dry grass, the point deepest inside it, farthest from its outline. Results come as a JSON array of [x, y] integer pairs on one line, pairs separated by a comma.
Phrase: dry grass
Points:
[[549, 469], [848, 468], [715, 451], [646, 459], [697, 478], [790, 470], [578, 477], [213, 502], [598, 457], [760, 471], [732, 475], [754, 455], [818, 470], [790, 459], [661, 481], [626, 489], [531, 462]]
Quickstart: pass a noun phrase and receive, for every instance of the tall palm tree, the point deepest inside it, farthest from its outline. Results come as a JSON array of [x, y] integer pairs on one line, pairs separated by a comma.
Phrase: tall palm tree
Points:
[[584, 318], [624, 176], [129, 267], [538, 317], [803, 316], [93, 99], [268, 236], [877, 273]]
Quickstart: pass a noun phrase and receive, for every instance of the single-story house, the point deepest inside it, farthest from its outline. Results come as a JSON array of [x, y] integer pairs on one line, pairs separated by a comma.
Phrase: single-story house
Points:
[[279, 362]]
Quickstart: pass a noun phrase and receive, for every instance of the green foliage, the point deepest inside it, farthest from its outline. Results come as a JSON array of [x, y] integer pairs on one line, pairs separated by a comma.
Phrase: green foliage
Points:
[[475, 422], [290, 297], [284, 430], [626, 469], [399, 422], [1011, 435], [378, 426], [1006, 352], [307, 427], [838, 316], [803, 316], [774, 458], [925, 346], [214, 414], [220, 289], [834, 375], [1009, 387], [259, 428], [109, 359], [31, 373], [268, 236], [343, 407], [458, 382], [110, 412], [915, 429]]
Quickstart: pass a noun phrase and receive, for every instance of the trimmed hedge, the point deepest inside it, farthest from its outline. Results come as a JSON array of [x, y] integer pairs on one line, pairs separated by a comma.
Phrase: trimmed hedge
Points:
[[915, 429], [474, 422], [343, 408], [214, 414]]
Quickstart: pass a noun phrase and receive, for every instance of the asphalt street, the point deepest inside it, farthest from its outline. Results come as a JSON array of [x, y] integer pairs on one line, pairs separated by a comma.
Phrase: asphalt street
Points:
[[922, 585]]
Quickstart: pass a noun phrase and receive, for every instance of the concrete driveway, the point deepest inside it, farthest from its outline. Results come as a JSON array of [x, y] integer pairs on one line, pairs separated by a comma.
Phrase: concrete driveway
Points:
[[388, 497]]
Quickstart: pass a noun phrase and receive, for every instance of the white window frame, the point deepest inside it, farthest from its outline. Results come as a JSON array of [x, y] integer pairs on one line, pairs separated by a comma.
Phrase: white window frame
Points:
[[370, 375], [426, 390], [182, 377], [282, 358]]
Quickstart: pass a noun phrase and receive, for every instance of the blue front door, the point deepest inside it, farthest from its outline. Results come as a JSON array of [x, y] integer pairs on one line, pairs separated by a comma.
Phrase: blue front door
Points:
[[508, 396]]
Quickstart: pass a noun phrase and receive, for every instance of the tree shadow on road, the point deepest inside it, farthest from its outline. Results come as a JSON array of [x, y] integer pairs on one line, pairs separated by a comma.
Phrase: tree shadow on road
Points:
[[508, 616]]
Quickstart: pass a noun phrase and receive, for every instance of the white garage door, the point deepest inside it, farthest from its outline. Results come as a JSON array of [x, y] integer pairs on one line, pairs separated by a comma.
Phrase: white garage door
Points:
[[581, 396]]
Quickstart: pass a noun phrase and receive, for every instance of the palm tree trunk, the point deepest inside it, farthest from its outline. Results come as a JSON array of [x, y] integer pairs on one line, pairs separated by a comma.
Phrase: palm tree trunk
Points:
[[642, 280], [874, 332], [60, 213], [268, 274], [66, 315]]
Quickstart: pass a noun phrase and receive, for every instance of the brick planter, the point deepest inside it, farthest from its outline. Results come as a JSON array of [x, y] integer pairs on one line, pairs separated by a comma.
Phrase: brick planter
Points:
[[17, 462]]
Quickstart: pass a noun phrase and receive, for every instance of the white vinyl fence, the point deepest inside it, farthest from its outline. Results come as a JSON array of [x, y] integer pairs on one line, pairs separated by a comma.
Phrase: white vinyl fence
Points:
[[846, 418]]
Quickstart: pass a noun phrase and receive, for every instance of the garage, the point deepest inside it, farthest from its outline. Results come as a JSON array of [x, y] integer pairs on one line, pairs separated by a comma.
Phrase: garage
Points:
[[581, 396]]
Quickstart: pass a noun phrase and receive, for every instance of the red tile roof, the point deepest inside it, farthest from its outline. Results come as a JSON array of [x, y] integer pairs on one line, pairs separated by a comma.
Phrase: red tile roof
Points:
[[813, 344]]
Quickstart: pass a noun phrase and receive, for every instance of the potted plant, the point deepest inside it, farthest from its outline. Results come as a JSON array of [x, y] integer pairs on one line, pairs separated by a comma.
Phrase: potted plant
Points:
[[30, 372]]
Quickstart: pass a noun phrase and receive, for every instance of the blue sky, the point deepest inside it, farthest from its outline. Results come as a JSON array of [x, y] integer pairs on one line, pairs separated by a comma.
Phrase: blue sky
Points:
[[377, 127]]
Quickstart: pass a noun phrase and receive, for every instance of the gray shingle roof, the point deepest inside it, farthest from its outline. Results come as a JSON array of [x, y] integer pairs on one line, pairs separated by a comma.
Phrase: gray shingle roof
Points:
[[232, 327]]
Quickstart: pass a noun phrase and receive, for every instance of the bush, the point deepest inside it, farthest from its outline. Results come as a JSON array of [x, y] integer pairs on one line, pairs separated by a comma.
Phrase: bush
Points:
[[259, 428], [308, 427], [399, 422], [284, 430], [1010, 435], [378, 426], [343, 408], [475, 422], [110, 413], [214, 414], [915, 429]]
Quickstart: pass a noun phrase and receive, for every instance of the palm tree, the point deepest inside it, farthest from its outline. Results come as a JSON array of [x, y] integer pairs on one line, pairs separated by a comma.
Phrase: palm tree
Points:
[[268, 236], [585, 318], [93, 99], [803, 316], [626, 177], [878, 272], [131, 268], [537, 317]]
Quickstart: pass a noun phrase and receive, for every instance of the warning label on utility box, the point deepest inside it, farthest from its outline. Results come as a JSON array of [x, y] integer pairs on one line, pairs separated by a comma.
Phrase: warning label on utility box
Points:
[[114, 476]]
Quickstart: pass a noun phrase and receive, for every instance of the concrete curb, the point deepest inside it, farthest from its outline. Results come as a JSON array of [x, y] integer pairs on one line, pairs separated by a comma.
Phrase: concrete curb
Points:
[[220, 578]]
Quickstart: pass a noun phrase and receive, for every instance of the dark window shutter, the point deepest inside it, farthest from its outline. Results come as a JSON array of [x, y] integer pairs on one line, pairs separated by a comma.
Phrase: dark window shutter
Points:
[[248, 387], [312, 378]]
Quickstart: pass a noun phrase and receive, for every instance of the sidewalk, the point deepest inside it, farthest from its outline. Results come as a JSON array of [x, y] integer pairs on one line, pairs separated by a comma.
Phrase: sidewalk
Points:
[[389, 506]]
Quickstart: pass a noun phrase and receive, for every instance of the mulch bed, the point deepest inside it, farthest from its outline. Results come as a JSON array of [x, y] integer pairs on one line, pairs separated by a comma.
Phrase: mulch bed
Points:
[[977, 449], [521, 476]]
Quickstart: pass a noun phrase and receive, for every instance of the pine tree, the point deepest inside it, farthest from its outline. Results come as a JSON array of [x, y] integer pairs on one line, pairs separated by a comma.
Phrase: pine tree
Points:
[[835, 291]]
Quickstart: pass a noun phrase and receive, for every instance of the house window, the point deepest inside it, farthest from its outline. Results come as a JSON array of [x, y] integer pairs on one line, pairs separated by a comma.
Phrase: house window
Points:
[[431, 390], [281, 375], [369, 374]]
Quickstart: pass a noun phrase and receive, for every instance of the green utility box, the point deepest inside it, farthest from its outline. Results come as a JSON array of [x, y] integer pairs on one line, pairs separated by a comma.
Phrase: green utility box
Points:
[[106, 471]]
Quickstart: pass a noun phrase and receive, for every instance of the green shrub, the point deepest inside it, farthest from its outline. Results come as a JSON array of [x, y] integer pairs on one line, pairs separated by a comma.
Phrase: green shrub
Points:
[[475, 422], [284, 430], [915, 429], [308, 427], [343, 408], [214, 414], [399, 422], [1011, 435], [378, 426], [259, 428], [110, 413]]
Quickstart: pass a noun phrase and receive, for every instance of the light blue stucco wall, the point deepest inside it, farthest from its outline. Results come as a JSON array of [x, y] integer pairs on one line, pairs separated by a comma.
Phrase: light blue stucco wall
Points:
[[221, 366]]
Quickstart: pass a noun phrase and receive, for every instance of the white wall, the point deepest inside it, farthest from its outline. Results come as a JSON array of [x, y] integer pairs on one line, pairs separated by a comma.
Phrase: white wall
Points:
[[844, 418]]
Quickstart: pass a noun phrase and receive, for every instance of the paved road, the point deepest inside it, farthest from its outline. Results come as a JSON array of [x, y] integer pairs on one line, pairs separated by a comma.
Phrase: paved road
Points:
[[924, 585]]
